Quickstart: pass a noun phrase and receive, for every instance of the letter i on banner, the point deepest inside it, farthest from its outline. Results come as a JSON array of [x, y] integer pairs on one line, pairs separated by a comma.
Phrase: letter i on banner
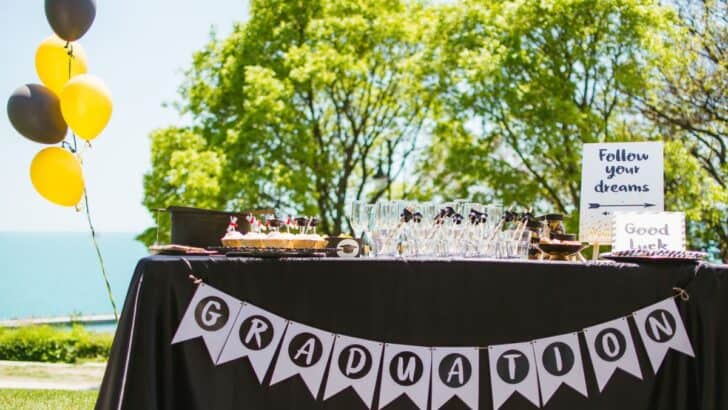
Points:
[[661, 328], [256, 335], [456, 373], [210, 314], [406, 370], [558, 361], [512, 369], [355, 364], [611, 347], [305, 351]]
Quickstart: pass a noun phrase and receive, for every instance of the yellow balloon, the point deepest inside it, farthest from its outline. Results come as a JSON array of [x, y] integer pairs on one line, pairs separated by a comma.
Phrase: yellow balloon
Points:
[[86, 105], [56, 175], [51, 63]]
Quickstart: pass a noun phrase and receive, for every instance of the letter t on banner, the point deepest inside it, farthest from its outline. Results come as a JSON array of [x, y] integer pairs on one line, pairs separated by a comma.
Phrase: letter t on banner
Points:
[[210, 314], [661, 328], [558, 360], [513, 369]]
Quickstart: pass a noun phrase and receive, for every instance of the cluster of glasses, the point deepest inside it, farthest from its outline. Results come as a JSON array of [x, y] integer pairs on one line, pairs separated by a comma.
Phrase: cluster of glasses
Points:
[[440, 229]]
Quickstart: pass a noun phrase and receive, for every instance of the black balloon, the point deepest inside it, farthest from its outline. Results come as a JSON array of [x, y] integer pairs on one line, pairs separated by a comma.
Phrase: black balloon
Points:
[[35, 111], [70, 19]]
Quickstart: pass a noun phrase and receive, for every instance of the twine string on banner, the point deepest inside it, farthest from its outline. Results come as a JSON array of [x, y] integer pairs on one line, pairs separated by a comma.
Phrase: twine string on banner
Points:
[[74, 150]]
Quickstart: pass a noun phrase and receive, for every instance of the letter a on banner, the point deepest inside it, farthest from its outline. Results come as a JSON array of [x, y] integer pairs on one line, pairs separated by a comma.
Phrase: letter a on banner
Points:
[[456, 373], [611, 347], [406, 370], [305, 351], [256, 335], [355, 363], [661, 328], [558, 361], [512, 369], [210, 314]]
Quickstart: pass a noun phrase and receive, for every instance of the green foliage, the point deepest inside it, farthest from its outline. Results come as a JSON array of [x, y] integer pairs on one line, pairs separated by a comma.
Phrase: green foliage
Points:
[[48, 344], [492, 100], [16, 399]]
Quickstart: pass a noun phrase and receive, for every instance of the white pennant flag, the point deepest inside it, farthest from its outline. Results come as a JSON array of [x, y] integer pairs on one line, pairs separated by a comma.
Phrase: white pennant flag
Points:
[[558, 361], [305, 351], [513, 369], [355, 364], [256, 335], [210, 314], [661, 328], [455, 373], [611, 347], [406, 370]]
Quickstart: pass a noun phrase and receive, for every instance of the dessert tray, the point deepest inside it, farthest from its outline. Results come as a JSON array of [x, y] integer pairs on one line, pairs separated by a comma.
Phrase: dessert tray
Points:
[[272, 253], [655, 256]]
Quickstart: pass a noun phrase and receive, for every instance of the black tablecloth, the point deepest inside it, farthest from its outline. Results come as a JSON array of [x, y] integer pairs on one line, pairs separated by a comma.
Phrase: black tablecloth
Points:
[[430, 303]]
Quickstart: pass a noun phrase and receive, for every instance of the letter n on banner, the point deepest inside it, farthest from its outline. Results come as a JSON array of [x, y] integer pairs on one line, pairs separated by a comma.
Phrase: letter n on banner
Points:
[[661, 328], [210, 314], [512, 369], [355, 364], [611, 347], [558, 360], [406, 370], [305, 352], [456, 373], [256, 335]]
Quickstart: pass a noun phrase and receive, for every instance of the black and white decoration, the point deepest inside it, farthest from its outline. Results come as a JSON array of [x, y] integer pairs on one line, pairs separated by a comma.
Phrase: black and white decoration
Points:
[[354, 363], [232, 329], [661, 329], [210, 314], [611, 347], [305, 351], [455, 373], [558, 361], [256, 335], [406, 370], [512, 369]]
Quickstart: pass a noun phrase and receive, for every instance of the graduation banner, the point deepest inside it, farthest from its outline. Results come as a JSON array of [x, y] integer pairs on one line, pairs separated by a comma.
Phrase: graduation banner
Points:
[[429, 377]]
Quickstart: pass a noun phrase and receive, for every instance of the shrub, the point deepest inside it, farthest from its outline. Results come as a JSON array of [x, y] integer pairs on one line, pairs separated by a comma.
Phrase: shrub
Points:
[[49, 344]]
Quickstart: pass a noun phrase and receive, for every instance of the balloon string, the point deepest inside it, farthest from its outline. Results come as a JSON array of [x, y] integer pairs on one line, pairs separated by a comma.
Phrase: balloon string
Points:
[[88, 212], [98, 254]]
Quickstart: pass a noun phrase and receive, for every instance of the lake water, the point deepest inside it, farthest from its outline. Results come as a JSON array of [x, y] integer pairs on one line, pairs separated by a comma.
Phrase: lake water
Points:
[[57, 274]]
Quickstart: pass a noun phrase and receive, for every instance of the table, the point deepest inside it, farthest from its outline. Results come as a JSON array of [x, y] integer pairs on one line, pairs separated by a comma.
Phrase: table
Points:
[[420, 302]]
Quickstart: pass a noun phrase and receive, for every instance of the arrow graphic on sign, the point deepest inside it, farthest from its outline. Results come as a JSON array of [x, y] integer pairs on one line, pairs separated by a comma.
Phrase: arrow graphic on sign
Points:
[[595, 206]]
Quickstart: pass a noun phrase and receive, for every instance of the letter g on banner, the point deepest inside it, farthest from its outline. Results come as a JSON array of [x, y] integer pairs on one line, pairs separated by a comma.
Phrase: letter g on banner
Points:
[[208, 315]]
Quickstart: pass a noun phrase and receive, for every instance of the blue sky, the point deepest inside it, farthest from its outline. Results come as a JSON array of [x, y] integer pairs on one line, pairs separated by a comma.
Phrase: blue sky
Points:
[[139, 48]]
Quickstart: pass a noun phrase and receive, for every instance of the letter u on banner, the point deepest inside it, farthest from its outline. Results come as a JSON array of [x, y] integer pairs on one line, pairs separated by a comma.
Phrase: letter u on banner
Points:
[[305, 351], [661, 328], [512, 369], [456, 373], [405, 370], [354, 363], [256, 335], [611, 347], [210, 314]]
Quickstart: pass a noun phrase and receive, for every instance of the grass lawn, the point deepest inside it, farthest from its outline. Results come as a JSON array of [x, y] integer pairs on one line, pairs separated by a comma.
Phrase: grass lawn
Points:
[[11, 399]]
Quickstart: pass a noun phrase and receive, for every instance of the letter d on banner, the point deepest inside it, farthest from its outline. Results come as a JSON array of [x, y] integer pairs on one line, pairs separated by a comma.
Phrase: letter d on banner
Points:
[[210, 314], [355, 364], [661, 328]]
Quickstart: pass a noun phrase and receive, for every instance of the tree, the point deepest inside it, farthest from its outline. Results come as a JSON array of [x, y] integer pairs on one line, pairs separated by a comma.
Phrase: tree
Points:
[[298, 108], [689, 103], [531, 81]]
